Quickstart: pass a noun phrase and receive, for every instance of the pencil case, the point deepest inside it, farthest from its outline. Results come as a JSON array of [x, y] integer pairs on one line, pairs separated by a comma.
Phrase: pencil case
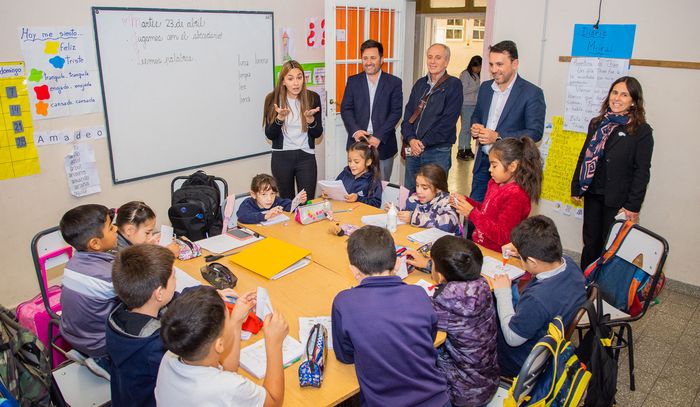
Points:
[[188, 249], [311, 370], [313, 212]]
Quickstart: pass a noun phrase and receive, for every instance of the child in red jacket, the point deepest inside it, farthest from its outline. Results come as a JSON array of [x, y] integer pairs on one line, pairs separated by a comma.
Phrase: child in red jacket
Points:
[[516, 180]]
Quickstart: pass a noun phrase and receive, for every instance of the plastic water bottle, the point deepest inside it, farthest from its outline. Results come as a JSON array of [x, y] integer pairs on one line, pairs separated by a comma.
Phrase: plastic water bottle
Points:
[[392, 218]]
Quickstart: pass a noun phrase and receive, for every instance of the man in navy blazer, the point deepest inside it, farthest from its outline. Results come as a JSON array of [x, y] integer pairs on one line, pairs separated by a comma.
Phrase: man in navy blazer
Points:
[[379, 95], [507, 106]]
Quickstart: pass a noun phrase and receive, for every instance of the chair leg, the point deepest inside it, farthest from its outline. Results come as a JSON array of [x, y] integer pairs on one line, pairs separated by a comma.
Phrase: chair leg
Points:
[[630, 355]]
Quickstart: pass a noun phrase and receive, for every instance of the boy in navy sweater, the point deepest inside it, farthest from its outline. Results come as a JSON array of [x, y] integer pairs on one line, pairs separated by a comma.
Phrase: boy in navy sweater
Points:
[[144, 279], [88, 296], [264, 202], [386, 328], [557, 289]]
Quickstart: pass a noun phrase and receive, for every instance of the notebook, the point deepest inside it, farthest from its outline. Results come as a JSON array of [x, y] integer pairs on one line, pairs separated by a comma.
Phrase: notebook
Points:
[[428, 235], [272, 258], [254, 360]]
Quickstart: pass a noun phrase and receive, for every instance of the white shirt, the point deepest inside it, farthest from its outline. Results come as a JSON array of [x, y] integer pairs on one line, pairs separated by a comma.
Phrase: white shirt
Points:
[[180, 384], [294, 137], [498, 102], [372, 92]]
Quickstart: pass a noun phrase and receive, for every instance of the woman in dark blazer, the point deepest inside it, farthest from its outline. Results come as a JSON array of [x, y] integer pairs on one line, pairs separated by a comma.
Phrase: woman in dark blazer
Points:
[[612, 172], [292, 120]]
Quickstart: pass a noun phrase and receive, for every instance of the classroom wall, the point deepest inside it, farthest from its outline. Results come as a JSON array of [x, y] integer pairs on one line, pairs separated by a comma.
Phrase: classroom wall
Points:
[[543, 31], [31, 204]]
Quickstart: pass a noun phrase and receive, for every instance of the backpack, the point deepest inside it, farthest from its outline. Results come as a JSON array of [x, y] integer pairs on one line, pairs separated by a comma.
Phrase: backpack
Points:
[[623, 285], [564, 380], [24, 363], [196, 207], [595, 350]]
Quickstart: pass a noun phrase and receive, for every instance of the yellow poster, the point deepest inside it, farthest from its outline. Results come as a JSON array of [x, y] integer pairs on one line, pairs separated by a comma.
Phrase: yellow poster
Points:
[[18, 154], [564, 148]]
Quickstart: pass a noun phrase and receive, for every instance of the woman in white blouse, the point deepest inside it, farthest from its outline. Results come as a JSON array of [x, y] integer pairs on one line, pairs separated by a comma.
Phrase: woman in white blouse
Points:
[[293, 122]]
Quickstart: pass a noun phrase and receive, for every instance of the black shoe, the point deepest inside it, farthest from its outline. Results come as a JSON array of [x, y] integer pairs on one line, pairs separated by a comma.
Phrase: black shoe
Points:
[[461, 154], [468, 155]]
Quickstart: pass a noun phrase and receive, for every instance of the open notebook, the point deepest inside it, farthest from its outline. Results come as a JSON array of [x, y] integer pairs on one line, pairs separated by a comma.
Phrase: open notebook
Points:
[[254, 360]]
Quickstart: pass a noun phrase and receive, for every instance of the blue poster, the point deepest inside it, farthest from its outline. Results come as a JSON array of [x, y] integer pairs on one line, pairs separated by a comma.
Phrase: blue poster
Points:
[[607, 41]]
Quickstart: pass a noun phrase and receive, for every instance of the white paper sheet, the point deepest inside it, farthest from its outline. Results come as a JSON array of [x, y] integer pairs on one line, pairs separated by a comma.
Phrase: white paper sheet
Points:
[[333, 189], [378, 220], [403, 268], [263, 305], [493, 266], [296, 201], [81, 171], [277, 219], [254, 360], [307, 323], [184, 280], [166, 235], [222, 243], [428, 287], [428, 235]]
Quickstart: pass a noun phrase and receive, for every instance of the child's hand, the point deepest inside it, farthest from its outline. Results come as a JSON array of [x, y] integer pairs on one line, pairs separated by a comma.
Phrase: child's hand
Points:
[[351, 198], [508, 250], [244, 304], [501, 281], [275, 328], [153, 239], [227, 292], [324, 195], [416, 259], [405, 216], [272, 212], [303, 197], [461, 205]]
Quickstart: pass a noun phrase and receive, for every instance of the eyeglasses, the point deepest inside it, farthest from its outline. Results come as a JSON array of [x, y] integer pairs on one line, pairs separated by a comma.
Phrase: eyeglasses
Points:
[[219, 276]]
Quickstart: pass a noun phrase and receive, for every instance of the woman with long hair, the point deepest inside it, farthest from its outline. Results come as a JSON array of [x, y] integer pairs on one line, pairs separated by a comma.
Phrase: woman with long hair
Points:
[[292, 120], [470, 88], [612, 172]]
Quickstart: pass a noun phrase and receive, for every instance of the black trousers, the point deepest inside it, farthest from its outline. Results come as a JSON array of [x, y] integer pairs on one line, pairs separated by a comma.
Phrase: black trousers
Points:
[[597, 221], [294, 165]]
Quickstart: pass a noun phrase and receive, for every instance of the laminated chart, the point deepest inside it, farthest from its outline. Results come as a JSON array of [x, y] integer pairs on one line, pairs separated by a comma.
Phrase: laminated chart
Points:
[[564, 148], [18, 154], [62, 75]]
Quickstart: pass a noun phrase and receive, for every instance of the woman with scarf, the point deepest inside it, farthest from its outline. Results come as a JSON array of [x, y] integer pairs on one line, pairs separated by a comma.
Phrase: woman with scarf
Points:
[[613, 168]]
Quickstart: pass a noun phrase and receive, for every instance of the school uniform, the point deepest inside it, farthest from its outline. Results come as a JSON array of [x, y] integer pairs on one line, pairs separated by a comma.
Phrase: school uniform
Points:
[[504, 207], [368, 190], [466, 311], [135, 349], [387, 329], [546, 296], [87, 298], [437, 213], [249, 211], [180, 384]]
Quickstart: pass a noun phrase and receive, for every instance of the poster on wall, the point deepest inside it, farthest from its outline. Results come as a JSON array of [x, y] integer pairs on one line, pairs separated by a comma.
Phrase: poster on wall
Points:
[[81, 170], [62, 75], [315, 32], [588, 85], [562, 156], [18, 154]]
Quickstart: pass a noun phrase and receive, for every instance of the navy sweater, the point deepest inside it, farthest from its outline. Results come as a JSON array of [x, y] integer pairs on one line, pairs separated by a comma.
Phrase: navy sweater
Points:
[[368, 192], [249, 211]]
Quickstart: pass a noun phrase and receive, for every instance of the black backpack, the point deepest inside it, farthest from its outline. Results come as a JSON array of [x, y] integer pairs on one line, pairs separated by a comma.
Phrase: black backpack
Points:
[[196, 207]]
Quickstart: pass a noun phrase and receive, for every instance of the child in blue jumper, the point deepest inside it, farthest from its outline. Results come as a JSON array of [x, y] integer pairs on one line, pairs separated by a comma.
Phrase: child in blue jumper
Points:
[[264, 202], [362, 176]]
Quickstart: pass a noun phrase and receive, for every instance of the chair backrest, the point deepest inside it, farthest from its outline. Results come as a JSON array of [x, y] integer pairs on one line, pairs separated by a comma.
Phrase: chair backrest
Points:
[[582, 311], [639, 240], [220, 182], [48, 250], [535, 364], [233, 221], [390, 193]]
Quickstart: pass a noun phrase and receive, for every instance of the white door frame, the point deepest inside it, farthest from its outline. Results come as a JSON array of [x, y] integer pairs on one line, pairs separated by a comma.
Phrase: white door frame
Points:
[[335, 135]]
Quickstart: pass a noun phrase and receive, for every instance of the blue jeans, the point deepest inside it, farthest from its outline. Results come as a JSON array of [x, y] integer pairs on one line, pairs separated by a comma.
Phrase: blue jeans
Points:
[[480, 177], [465, 135], [437, 155]]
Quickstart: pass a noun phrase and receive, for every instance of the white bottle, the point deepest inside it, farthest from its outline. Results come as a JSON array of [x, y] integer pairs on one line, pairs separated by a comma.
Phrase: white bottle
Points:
[[392, 218]]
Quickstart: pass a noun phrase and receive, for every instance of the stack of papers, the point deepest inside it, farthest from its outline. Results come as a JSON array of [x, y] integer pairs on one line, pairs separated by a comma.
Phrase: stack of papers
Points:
[[254, 360], [306, 324], [225, 242], [493, 266], [277, 219], [333, 189], [429, 288], [378, 220], [428, 235]]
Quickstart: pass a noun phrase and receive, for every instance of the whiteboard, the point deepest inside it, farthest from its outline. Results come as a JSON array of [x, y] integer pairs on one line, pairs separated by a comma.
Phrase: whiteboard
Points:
[[182, 88]]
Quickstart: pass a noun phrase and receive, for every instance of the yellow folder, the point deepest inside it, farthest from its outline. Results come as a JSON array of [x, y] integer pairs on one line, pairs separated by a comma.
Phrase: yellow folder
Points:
[[270, 257]]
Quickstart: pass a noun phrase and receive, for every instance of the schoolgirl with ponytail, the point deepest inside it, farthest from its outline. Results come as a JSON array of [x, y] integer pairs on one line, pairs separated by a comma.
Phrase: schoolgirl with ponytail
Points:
[[516, 181], [362, 176]]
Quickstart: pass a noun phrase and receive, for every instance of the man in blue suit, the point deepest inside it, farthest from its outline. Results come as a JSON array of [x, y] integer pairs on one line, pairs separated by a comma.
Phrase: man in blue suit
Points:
[[378, 95], [507, 106]]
